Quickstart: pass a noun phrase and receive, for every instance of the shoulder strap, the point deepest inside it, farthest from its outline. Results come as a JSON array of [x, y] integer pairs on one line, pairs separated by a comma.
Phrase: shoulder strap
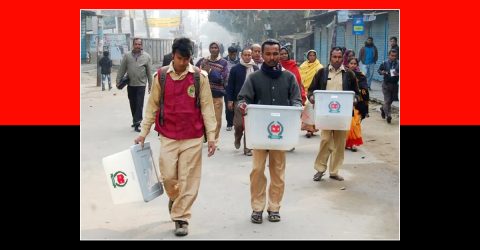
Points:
[[196, 75], [162, 73]]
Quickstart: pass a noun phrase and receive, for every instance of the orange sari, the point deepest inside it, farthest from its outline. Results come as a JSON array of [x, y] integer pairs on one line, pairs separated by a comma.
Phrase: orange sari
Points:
[[355, 135]]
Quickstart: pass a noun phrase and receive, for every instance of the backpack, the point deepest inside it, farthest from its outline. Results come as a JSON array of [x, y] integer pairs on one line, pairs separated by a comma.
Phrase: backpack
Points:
[[162, 73]]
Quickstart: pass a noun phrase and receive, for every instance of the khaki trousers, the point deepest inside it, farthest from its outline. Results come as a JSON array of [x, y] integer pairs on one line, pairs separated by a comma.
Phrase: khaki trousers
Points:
[[218, 105], [181, 167], [332, 146], [258, 181]]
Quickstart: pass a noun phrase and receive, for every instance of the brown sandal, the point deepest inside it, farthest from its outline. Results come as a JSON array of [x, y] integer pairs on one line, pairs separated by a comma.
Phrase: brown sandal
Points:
[[336, 177]]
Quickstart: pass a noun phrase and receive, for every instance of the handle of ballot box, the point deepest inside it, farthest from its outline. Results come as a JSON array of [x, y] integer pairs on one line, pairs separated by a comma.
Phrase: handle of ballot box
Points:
[[155, 167]]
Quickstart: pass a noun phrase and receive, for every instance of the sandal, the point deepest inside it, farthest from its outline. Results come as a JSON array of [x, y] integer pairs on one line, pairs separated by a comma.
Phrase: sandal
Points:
[[336, 177], [273, 216], [318, 176], [256, 217]]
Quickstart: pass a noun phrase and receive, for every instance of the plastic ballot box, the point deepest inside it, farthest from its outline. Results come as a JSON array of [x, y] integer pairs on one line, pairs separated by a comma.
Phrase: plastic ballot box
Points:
[[132, 175], [333, 109], [272, 127]]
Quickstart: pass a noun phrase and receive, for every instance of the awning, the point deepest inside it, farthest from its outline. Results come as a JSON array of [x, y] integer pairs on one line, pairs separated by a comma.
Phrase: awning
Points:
[[297, 36]]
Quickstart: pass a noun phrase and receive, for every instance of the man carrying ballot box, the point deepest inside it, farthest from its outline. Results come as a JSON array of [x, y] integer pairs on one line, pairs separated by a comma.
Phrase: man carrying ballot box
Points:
[[271, 85], [181, 106], [332, 144]]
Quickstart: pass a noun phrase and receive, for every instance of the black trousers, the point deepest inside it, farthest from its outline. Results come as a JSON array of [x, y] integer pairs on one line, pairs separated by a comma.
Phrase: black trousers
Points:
[[136, 96], [228, 113]]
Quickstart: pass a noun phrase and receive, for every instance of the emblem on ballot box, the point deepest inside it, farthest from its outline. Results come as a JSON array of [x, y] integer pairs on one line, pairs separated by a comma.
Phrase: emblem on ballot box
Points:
[[334, 107], [275, 130], [119, 179]]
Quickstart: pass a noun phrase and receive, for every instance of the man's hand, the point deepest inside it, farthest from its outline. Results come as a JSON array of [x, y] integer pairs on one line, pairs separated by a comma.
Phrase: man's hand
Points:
[[243, 108], [364, 92], [312, 99], [230, 105], [211, 148], [140, 140]]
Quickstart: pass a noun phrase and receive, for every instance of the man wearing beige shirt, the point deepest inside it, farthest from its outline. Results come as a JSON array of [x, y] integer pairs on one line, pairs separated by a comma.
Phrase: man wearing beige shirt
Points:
[[181, 118], [333, 142]]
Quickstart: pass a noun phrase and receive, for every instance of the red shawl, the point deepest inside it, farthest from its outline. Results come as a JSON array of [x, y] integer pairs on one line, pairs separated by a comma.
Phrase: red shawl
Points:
[[291, 66]]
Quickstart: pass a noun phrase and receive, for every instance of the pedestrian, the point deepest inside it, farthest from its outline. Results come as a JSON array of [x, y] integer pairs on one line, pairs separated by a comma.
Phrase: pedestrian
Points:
[[360, 109], [332, 144], [368, 56], [217, 69], [232, 60], [389, 69], [291, 65], [106, 69], [236, 79], [257, 89], [394, 45], [257, 54], [180, 133], [308, 69], [138, 65]]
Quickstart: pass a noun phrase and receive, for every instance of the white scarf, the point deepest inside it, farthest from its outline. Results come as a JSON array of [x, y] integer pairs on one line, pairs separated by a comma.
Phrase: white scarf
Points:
[[248, 65]]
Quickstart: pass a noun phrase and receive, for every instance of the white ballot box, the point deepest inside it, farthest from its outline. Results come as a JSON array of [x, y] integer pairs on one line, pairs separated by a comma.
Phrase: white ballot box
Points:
[[272, 127], [132, 176], [333, 109]]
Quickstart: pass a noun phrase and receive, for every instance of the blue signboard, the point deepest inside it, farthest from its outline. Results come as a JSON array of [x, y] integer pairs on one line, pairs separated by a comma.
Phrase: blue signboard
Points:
[[358, 26]]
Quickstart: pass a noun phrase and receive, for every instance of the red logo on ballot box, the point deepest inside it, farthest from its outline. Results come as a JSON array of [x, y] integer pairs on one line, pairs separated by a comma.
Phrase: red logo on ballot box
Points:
[[334, 107], [119, 179], [275, 130]]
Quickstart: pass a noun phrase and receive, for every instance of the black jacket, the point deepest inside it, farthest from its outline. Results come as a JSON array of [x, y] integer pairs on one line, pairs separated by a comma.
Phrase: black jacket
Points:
[[236, 79], [319, 82], [106, 65]]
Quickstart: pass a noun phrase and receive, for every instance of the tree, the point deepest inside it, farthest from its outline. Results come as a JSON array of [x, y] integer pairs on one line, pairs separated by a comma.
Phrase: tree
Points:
[[251, 23]]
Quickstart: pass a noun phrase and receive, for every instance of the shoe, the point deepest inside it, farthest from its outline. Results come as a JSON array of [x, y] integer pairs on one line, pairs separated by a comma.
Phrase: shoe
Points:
[[103, 89], [383, 112], [292, 149], [170, 204], [181, 228], [389, 119], [336, 177], [353, 149], [109, 88], [273, 216], [247, 152], [229, 128], [309, 134], [318, 176], [237, 143], [137, 129], [256, 217]]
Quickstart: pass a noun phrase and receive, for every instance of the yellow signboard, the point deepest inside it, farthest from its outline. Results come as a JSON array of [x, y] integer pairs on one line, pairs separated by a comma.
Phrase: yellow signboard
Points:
[[164, 22]]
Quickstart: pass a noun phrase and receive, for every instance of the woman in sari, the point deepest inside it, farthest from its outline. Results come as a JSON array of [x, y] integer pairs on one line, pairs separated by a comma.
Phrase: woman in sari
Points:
[[354, 137], [308, 69], [291, 65]]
